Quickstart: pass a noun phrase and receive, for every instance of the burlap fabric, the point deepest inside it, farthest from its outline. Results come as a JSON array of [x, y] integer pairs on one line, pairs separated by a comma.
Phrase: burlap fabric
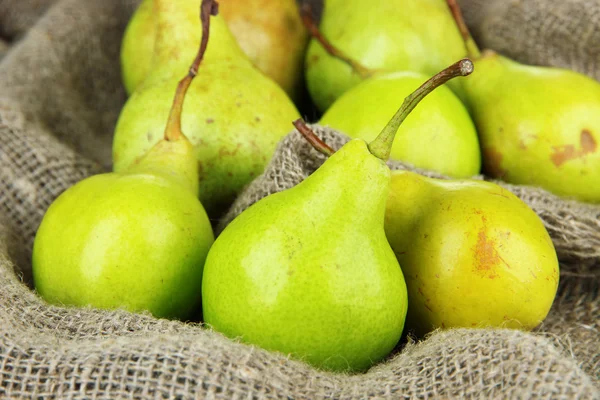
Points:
[[560, 33], [60, 94]]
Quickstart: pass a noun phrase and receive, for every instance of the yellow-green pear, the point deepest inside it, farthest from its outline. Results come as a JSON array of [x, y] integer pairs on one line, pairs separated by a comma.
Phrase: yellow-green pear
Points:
[[269, 32], [473, 254], [135, 239], [308, 271], [137, 46], [233, 115], [438, 134], [382, 36], [537, 126]]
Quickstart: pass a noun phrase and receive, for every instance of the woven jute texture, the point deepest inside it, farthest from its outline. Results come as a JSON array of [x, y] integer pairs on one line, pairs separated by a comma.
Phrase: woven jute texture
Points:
[[560, 33], [60, 95]]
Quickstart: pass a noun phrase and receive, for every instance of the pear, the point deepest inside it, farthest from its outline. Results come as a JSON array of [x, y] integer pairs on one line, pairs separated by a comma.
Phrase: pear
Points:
[[308, 271], [537, 126], [382, 36], [135, 239], [473, 254], [234, 116], [438, 135], [269, 32], [137, 46]]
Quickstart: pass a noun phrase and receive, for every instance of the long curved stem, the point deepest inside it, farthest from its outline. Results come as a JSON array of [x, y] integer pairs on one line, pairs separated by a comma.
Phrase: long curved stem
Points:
[[381, 146], [472, 49], [313, 29], [312, 138], [173, 128]]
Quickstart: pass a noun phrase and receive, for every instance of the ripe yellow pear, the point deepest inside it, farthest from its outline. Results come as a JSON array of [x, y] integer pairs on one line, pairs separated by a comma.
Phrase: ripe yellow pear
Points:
[[473, 254]]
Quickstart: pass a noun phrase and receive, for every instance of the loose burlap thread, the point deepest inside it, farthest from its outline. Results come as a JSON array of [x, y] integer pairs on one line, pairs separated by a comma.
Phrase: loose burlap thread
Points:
[[60, 95]]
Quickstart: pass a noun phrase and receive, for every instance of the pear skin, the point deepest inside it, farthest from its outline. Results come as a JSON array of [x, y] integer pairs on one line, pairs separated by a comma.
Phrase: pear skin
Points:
[[135, 240], [309, 271], [473, 254], [270, 33], [137, 47], [438, 134], [538, 126], [418, 35], [233, 115]]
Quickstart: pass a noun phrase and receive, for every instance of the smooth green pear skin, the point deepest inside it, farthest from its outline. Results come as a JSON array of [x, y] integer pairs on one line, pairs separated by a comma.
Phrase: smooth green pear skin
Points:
[[233, 115], [438, 134], [135, 240], [418, 35], [537, 126], [137, 46], [309, 272], [473, 254]]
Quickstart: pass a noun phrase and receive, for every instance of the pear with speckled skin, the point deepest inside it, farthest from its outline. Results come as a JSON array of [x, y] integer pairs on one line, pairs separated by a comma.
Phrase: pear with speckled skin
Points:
[[234, 116], [135, 239], [308, 271], [473, 254], [537, 126]]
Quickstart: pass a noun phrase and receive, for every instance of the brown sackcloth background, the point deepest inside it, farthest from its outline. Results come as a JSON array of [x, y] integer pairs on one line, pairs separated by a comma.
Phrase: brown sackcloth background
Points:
[[60, 95]]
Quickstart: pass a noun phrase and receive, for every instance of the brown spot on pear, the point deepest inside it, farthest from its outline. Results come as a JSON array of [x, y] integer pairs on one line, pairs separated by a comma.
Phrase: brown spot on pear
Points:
[[486, 255], [588, 144], [562, 154]]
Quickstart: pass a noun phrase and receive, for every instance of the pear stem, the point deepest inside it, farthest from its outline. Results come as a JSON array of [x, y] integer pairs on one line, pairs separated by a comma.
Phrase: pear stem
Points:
[[381, 146], [173, 128], [472, 49], [313, 29], [312, 138]]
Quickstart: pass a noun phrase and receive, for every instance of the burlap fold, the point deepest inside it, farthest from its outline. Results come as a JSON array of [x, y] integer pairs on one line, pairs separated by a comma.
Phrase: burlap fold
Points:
[[60, 95], [558, 33]]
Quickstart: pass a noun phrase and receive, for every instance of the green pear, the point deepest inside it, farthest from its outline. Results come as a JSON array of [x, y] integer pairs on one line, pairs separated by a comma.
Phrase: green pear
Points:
[[270, 34], [233, 115], [135, 239], [438, 134], [137, 46], [537, 126], [308, 271], [383, 36], [473, 254]]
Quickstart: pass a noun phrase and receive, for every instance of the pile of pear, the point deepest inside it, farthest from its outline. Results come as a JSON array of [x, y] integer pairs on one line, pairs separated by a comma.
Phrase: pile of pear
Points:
[[529, 125], [332, 271]]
